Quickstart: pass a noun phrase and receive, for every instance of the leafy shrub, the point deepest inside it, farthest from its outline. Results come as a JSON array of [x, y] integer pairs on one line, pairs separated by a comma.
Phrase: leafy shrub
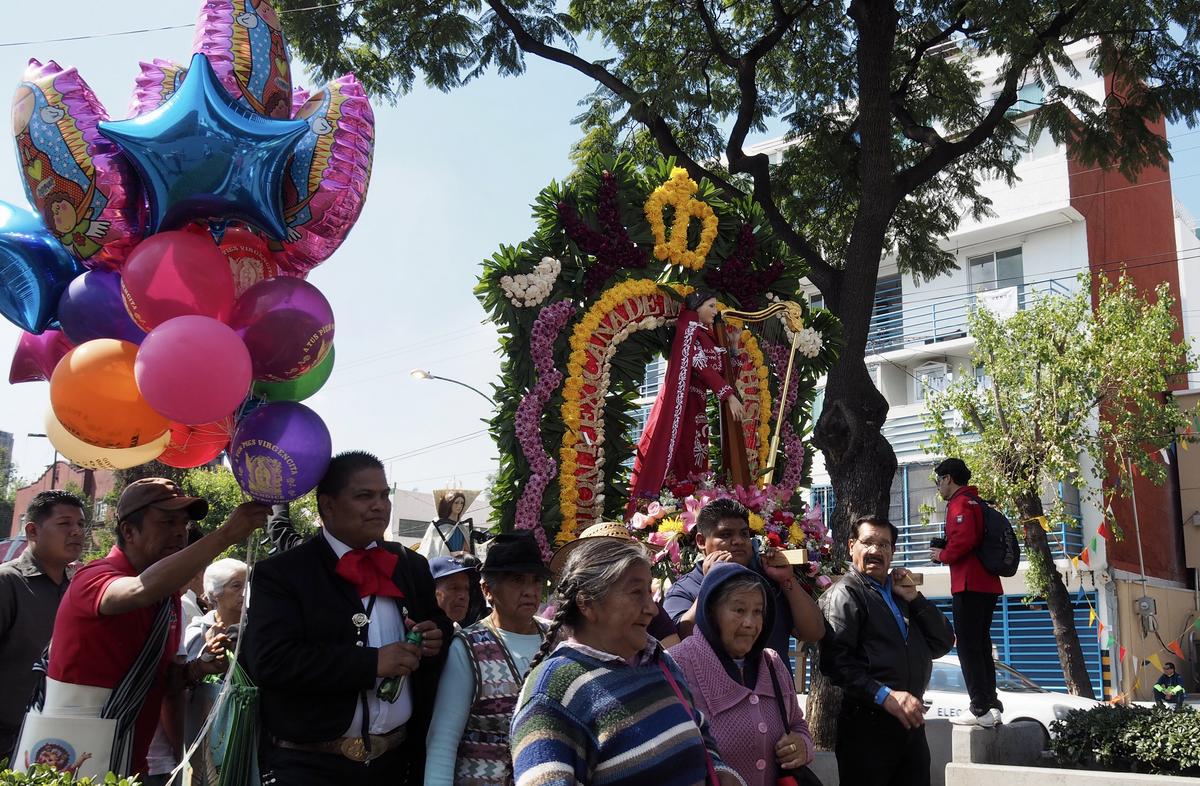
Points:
[[1129, 739], [42, 775]]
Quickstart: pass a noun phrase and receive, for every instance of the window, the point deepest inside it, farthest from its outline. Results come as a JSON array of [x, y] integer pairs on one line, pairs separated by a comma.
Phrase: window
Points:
[[818, 300], [1030, 96], [930, 377], [996, 270], [887, 321]]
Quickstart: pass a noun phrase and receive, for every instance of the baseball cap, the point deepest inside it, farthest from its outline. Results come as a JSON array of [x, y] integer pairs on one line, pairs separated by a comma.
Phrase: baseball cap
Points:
[[161, 493], [441, 567]]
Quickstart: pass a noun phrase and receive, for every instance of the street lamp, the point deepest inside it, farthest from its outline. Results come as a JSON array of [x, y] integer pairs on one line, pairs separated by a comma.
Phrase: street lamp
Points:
[[420, 373], [54, 466]]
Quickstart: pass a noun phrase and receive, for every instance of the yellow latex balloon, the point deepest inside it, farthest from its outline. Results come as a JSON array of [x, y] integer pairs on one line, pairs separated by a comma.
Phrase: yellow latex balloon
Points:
[[91, 457]]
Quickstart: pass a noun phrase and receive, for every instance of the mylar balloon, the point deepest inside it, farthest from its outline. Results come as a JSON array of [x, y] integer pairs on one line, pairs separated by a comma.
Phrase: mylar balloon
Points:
[[287, 325], [327, 178], [299, 388], [37, 355], [75, 178], [193, 369], [92, 457], [280, 452], [202, 155], [195, 446], [157, 81], [244, 42], [94, 395], [249, 260], [34, 270], [175, 274], [92, 307]]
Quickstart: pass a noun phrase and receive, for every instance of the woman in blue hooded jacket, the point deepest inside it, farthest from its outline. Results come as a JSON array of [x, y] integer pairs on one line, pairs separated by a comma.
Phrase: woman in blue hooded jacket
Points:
[[737, 682]]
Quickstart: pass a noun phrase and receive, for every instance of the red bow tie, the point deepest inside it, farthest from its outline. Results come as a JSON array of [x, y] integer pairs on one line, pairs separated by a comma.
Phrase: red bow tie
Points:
[[370, 571]]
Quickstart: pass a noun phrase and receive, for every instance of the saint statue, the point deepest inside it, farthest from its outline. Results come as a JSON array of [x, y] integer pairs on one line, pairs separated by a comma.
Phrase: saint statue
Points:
[[674, 444], [450, 535]]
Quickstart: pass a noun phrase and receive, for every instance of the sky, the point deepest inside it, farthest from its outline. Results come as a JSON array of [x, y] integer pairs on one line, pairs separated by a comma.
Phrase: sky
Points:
[[454, 175]]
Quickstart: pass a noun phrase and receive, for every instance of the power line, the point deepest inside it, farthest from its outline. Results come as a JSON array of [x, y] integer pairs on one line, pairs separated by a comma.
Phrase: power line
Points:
[[434, 446]]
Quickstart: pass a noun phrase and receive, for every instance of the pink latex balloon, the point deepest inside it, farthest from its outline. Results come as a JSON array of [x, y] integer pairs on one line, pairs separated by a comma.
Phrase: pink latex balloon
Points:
[[77, 180], [287, 325], [244, 42], [174, 274], [326, 182], [155, 83], [37, 355], [193, 370]]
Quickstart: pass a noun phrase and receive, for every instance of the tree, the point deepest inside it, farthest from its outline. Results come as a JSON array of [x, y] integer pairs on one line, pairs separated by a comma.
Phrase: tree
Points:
[[1073, 395], [891, 129], [220, 489]]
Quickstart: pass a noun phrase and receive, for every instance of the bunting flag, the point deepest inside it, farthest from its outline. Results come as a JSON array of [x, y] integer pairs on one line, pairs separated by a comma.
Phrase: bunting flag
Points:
[[1102, 530], [1075, 569], [1081, 596], [1121, 654], [1110, 641], [1155, 661], [1195, 624], [1099, 631], [1166, 456], [1084, 558], [1094, 545], [1176, 649], [1091, 617], [1045, 522]]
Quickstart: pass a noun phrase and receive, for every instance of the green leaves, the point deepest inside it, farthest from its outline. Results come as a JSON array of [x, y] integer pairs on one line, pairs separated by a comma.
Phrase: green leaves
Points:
[[1129, 739], [41, 775]]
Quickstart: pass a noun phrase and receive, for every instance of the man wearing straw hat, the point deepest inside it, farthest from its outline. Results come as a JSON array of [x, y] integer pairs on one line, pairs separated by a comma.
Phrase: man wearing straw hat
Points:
[[120, 616]]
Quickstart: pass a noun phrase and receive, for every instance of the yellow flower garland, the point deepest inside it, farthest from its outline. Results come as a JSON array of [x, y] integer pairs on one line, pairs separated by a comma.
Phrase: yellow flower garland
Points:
[[678, 192]]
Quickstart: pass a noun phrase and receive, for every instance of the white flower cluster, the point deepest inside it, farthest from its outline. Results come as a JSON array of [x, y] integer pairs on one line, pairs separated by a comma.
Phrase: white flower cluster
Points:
[[809, 342], [530, 289]]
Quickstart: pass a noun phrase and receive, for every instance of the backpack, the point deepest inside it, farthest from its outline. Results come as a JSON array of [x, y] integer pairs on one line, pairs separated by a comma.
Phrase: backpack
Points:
[[999, 552]]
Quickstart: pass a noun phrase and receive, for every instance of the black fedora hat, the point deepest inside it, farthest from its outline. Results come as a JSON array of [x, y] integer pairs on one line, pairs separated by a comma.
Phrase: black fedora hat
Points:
[[515, 552]]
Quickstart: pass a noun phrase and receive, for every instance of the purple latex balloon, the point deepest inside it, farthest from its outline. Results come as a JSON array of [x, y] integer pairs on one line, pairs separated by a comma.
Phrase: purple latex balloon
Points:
[[287, 325], [280, 452], [92, 307], [36, 356]]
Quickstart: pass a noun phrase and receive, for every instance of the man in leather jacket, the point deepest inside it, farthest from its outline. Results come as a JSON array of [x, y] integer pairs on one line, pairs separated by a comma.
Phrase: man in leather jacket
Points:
[[879, 648]]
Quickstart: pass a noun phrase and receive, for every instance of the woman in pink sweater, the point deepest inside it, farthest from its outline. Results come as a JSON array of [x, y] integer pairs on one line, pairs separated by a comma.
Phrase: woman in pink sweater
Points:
[[730, 671]]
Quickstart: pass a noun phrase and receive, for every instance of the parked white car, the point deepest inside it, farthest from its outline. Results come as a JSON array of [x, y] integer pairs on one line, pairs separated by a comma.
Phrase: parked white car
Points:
[[1023, 699]]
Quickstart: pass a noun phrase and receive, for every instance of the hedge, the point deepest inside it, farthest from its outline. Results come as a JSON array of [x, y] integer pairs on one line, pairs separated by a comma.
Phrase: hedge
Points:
[[1129, 739]]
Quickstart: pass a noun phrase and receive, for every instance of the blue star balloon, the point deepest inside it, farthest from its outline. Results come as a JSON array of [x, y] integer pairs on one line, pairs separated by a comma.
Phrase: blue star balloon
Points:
[[35, 268], [203, 155]]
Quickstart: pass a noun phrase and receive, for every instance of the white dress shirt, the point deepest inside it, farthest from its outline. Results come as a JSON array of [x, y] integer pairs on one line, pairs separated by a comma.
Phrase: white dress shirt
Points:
[[386, 626]]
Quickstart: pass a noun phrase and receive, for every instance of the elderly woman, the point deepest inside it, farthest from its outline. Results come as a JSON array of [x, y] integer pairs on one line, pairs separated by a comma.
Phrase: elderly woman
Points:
[[609, 705], [741, 686], [209, 636], [467, 741]]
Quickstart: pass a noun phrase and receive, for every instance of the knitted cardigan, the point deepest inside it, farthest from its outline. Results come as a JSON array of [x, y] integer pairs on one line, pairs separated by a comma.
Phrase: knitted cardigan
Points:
[[585, 719], [744, 722]]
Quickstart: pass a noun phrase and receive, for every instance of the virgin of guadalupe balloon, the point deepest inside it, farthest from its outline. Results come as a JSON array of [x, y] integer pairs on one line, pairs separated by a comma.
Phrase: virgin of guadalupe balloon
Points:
[[157, 81], [74, 177], [326, 181], [244, 42]]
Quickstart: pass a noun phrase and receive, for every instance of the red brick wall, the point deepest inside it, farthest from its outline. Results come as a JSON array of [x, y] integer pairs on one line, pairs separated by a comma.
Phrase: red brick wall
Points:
[[95, 484]]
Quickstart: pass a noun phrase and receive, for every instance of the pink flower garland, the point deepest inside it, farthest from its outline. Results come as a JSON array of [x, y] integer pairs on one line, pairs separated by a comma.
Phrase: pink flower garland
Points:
[[793, 445], [546, 328]]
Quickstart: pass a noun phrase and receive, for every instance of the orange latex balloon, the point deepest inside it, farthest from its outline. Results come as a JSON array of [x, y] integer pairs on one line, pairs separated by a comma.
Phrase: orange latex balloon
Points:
[[95, 396]]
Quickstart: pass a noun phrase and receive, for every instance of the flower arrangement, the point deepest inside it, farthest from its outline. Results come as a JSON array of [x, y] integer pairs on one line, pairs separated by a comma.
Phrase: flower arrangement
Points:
[[530, 289], [546, 328], [679, 192], [777, 520]]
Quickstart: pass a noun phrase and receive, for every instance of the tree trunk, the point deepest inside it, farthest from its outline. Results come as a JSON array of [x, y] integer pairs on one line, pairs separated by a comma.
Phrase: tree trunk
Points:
[[1058, 600]]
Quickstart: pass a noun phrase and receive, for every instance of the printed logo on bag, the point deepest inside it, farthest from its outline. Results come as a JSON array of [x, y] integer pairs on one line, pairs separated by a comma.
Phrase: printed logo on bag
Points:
[[55, 753]]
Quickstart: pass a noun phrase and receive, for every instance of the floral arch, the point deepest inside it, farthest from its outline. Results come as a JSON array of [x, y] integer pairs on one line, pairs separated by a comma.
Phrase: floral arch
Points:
[[585, 303]]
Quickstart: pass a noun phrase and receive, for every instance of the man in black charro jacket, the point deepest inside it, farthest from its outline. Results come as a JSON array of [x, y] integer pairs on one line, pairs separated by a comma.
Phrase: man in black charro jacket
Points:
[[325, 642], [879, 648]]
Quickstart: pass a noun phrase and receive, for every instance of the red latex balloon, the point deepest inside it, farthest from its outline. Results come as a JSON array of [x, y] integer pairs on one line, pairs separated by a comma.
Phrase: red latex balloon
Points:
[[249, 260], [175, 274], [195, 446], [37, 355]]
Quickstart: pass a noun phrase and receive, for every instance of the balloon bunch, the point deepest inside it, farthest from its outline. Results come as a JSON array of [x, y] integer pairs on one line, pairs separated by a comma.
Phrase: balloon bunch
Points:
[[160, 280]]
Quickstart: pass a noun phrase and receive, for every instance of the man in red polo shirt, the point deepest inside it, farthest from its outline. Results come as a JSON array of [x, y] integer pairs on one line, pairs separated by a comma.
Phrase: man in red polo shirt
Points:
[[108, 612], [975, 591]]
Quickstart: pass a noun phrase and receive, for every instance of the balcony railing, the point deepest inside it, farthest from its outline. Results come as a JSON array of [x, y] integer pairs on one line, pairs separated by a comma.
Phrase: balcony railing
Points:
[[934, 318]]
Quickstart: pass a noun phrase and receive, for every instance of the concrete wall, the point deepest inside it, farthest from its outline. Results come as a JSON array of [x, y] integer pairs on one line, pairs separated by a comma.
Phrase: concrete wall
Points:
[[1000, 775], [1176, 612]]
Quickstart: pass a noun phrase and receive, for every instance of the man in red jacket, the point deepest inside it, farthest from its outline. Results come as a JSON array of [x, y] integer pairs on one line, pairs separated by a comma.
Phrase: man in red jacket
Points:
[[975, 591]]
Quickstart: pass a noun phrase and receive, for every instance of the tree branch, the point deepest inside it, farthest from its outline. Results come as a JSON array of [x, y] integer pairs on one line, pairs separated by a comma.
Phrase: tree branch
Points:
[[944, 153], [714, 35], [921, 48]]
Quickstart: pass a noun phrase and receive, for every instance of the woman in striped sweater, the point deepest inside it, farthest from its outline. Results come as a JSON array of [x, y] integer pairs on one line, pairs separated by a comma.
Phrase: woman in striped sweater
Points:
[[609, 707]]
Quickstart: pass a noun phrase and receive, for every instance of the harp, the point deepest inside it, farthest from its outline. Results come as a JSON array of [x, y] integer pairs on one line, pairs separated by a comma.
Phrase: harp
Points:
[[793, 316]]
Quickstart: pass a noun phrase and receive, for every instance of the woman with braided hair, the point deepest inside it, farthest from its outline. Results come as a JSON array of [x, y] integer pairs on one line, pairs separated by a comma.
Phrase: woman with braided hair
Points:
[[607, 705]]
